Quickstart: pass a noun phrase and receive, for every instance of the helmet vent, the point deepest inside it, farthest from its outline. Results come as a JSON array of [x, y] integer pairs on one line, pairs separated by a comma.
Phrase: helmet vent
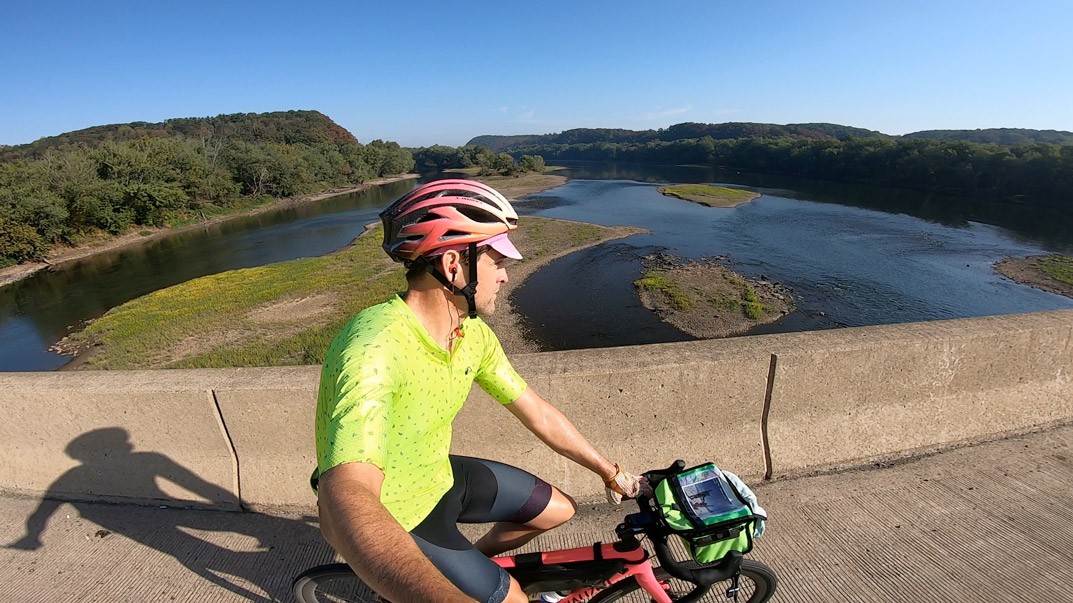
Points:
[[474, 213]]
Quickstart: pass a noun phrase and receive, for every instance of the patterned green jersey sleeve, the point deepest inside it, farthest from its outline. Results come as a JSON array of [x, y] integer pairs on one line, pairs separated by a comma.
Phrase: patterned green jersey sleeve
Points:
[[354, 412], [496, 375]]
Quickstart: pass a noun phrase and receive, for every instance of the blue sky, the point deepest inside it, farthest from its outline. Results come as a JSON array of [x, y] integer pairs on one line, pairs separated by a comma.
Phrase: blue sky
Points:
[[423, 73]]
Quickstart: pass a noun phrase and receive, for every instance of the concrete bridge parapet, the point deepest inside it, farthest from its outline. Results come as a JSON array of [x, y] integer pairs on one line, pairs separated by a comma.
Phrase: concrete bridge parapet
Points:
[[772, 405]]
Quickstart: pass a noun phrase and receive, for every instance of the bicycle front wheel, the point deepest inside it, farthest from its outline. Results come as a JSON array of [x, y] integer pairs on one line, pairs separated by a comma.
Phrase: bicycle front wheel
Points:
[[335, 583], [757, 584]]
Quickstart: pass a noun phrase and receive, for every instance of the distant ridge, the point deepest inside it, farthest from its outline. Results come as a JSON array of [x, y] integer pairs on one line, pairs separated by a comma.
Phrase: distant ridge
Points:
[[732, 130], [682, 131], [1004, 136]]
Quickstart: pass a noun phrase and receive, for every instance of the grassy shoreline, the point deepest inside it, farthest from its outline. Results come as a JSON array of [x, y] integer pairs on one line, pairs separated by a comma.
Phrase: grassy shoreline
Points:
[[707, 194]]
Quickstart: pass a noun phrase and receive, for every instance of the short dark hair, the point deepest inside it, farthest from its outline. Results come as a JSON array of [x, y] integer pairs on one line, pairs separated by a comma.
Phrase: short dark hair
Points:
[[417, 267]]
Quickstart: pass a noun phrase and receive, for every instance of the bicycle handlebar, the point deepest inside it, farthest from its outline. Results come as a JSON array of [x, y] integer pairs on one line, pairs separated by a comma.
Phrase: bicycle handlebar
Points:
[[703, 577]]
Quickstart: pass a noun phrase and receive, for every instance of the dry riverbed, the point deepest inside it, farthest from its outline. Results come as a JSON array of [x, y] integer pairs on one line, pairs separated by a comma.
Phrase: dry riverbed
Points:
[[706, 299]]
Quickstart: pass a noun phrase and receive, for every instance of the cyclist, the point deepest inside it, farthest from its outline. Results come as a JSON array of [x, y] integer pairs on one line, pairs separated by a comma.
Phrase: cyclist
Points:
[[389, 493]]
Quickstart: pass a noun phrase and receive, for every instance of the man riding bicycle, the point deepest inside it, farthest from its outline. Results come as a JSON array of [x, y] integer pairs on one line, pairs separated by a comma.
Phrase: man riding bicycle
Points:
[[393, 380]]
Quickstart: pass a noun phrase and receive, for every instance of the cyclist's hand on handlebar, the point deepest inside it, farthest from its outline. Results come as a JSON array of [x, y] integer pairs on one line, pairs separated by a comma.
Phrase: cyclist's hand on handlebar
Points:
[[750, 497], [625, 485]]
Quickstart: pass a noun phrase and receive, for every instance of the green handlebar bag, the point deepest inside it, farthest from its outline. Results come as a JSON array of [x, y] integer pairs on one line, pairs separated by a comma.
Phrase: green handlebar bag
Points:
[[700, 506]]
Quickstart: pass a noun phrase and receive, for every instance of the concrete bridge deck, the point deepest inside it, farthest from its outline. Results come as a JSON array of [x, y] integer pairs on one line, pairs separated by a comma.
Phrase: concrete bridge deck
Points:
[[991, 522]]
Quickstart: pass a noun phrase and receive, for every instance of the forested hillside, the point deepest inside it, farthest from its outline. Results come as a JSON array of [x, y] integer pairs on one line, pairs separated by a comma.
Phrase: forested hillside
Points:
[[283, 127], [1006, 136], [111, 178], [1036, 172], [731, 130]]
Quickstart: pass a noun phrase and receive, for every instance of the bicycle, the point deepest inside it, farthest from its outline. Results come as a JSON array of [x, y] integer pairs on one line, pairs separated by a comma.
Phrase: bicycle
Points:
[[600, 573]]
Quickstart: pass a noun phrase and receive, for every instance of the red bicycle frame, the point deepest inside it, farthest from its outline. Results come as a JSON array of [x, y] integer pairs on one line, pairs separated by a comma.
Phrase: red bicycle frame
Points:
[[637, 565]]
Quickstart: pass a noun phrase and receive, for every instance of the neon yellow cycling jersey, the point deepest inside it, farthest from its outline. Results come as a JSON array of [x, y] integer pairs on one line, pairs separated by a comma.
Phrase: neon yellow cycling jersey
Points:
[[388, 394]]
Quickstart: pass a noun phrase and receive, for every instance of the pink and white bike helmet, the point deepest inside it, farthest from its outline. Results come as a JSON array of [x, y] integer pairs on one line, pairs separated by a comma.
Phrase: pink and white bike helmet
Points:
[[448, 214]]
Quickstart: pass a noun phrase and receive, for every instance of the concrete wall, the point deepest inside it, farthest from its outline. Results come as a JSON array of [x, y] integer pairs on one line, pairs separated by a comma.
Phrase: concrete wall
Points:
[[773, 405]]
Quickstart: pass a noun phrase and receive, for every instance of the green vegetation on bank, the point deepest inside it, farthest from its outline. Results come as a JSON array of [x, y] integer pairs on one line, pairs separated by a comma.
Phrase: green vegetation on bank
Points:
[[1030, 172], [750, 303], [712, 196], [281, 314], [688, 287], [109, 179], [655, 281], [1058, 267]]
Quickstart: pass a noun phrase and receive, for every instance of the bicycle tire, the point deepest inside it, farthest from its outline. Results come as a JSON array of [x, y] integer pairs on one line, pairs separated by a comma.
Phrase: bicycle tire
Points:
[[758, 583], [334, 583]]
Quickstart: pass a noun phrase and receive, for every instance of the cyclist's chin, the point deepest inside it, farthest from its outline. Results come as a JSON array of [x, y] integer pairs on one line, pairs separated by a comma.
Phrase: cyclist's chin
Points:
[[487, 308]]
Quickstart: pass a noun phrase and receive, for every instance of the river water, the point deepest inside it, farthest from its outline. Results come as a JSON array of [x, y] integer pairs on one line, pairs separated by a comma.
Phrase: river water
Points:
[[848, 263]]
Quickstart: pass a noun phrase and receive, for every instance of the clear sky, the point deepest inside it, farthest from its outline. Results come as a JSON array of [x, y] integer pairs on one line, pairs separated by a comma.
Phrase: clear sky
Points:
[[422, 73]]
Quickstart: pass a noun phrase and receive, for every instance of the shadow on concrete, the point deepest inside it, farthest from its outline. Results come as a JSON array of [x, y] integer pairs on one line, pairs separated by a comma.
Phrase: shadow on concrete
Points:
[[241, 552]]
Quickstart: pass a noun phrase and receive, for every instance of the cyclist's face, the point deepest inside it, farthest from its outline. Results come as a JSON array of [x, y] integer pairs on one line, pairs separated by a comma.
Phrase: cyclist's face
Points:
[[491, 274]]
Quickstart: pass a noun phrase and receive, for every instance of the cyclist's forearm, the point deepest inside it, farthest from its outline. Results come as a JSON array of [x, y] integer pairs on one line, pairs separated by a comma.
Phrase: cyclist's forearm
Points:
[[557, 431], [381, 553]]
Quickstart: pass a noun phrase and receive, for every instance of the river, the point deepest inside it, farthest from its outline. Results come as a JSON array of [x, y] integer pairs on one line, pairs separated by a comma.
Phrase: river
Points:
[[925, 257], [928, 257]]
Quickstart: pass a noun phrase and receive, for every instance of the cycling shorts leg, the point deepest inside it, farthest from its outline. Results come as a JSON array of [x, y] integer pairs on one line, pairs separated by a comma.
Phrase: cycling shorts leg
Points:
[[483, 491]]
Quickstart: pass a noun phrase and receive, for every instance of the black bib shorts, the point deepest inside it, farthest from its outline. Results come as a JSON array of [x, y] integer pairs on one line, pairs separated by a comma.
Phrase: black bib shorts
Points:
[[483, 492]]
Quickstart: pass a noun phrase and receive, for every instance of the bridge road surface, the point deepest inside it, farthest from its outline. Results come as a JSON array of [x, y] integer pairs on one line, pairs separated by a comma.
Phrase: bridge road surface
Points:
[[990, 522]]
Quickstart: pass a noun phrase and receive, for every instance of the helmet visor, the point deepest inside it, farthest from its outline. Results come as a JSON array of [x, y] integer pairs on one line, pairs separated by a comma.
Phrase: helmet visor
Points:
[[503, 245], [499, 242]]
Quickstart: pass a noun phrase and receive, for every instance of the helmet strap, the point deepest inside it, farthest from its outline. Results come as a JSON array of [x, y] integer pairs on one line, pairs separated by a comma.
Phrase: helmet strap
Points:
[[470, 290]]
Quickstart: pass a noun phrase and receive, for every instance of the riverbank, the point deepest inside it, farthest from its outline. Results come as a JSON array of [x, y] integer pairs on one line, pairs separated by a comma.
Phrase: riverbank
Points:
[[142, 234], [708, 300], [1053, 273], [287, 313]]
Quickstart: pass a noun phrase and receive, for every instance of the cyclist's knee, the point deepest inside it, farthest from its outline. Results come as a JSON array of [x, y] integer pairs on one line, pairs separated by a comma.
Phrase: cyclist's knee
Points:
[[561, 507], [516, 594]]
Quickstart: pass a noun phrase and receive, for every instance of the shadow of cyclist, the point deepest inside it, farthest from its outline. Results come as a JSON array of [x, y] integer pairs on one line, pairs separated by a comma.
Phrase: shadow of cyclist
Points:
[[111, 469]]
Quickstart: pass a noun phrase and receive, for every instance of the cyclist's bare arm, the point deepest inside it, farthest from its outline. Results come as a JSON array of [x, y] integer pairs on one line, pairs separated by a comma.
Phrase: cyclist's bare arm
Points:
[[380, 552], [554, 429]]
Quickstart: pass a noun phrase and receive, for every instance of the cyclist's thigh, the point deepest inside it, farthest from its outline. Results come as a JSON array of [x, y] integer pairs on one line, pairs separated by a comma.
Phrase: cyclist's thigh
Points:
[[498, 492], [468, 569], [452, 553]]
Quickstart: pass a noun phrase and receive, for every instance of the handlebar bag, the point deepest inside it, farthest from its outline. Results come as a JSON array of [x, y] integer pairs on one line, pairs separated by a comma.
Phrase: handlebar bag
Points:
[[700, 506]]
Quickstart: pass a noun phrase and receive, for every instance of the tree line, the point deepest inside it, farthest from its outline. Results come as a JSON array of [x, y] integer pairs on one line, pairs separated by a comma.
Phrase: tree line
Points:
[[682, 131], [111, 178], [440, 157], [732, 130], [1039, 173]]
